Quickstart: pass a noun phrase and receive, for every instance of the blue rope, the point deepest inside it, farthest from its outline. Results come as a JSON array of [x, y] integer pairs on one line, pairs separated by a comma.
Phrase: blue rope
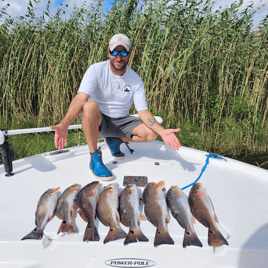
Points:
[[203, 169]]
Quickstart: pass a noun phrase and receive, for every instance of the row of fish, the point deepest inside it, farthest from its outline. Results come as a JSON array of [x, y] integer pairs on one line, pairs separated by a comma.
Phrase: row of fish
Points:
[[111, 209]]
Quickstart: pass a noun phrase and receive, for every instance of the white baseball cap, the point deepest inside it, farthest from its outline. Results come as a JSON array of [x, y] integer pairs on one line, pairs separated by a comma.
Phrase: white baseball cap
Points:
[[120, 39]]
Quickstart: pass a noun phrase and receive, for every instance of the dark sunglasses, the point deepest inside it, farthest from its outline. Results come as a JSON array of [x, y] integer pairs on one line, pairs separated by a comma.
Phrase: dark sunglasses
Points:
[[114, 53]]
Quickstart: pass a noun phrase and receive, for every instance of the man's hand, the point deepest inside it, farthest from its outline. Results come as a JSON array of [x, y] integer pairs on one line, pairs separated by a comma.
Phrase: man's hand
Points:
[[170, 138], [61, 133]]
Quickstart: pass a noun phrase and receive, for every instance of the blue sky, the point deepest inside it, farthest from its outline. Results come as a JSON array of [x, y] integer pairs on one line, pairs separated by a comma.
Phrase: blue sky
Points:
[[19, 7]]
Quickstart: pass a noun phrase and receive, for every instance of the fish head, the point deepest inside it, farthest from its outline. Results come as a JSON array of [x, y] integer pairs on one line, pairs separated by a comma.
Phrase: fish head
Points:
[[198, 189], [75, 188], [95, 185], [111, 188], [53, 191], [130, 189], [176, 190]]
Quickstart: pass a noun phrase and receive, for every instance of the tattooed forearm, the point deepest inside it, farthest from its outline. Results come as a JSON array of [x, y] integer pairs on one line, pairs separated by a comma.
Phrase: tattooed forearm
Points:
[[150, 122]]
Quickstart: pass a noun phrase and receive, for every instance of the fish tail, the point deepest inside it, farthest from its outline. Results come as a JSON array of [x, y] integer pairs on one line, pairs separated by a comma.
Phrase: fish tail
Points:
[[91, 233], [191, 239], [67, 227], [162, 237], [114, 234], [36, 234], [134, 235], [215, 238]]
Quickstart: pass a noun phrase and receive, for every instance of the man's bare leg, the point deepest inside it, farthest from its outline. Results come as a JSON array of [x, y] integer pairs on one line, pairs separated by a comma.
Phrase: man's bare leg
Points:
[[91, 121], [141, 133]]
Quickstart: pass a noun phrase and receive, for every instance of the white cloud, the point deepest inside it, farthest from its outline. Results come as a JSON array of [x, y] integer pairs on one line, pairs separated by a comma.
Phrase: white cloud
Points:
[[19, 7]]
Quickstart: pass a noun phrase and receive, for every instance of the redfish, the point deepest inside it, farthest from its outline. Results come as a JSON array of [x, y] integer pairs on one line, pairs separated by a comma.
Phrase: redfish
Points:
[[203, 210], [131, 215], [178, 203], [86, 202], [156, 212], [45, 211], [66, 209], [107, 211]]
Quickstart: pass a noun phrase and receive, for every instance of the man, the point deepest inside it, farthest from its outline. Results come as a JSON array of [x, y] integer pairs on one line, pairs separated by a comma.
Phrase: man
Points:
[[106, 94]]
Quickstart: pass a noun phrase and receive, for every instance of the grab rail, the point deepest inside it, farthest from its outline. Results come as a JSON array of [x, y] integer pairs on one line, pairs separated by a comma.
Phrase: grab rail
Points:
[[7, 157]]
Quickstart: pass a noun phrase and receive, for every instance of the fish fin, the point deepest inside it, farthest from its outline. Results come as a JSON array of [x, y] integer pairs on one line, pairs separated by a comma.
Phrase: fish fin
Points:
[[193, 220], [114, 234], [191, 239], [215, 238], [36, 234], [82, 214], [131, 191], [67, 227], [160, 185], [55, 190], [162, 237], [91, 234], [72, 213], [215, 217], [141, 217], [135, 236], [167, 218], [50, 218], [117, 215]]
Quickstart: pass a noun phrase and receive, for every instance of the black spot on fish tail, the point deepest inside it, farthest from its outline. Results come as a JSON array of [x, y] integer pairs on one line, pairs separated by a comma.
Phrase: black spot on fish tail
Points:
[[191, 239], [215, 238], [114, 234], [134, 236], [162, 237], [91, 233], [67, 227]]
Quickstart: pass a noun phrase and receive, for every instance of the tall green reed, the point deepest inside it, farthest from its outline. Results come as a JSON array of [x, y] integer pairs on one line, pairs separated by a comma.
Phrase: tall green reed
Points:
[[204, 72]]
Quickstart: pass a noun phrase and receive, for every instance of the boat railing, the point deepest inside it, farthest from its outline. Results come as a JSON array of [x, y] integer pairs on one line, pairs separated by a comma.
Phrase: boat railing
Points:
[[7, 157]]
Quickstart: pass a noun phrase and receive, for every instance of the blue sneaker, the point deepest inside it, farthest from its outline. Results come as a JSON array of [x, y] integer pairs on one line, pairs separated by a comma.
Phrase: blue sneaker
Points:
[[98, 168], [114, 146]]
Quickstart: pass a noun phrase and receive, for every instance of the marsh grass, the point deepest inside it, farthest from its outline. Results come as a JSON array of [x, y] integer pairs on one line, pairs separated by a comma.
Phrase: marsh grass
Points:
[[203, 72]]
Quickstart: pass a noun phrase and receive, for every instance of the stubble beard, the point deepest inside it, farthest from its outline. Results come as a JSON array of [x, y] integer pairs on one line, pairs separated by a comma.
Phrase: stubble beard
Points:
[[119, 69]]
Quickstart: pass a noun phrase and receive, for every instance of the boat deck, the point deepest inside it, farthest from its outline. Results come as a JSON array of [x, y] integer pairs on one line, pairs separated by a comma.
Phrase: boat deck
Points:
[[238, 192]]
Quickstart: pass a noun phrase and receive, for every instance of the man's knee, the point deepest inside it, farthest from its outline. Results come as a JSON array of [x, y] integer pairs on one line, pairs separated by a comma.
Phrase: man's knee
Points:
[[91, 106], [151, 136]]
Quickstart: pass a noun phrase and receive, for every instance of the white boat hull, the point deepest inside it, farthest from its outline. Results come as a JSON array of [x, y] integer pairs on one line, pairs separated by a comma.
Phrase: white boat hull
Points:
[[238, 192]]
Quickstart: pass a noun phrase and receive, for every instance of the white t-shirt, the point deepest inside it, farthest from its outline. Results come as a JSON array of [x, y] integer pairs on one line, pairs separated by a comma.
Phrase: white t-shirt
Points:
[[99, 83]]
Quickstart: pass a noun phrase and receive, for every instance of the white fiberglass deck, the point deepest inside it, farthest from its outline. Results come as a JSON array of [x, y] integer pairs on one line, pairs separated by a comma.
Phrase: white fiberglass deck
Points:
[[238, 192]]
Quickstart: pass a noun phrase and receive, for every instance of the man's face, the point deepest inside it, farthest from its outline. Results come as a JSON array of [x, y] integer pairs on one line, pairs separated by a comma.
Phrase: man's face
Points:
[[119, 62]]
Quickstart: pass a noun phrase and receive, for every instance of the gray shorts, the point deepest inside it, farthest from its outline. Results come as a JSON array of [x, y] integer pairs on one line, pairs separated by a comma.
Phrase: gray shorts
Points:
[[118, 127]]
